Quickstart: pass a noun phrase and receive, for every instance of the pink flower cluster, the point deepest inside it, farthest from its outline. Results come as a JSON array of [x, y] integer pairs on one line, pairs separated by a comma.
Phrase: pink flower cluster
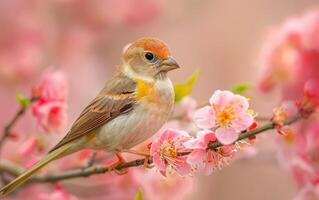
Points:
[[290, 56], [37, 33], [49, 109], [290, 59], [227, 115], [224, 120], [165, 151]]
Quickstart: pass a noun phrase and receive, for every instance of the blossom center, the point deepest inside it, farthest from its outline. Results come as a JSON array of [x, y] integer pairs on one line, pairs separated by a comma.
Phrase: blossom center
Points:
[[168, 149], [224, 116]]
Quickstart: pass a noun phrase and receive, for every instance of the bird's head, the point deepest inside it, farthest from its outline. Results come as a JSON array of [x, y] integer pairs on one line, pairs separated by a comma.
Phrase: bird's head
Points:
[[148, 58]]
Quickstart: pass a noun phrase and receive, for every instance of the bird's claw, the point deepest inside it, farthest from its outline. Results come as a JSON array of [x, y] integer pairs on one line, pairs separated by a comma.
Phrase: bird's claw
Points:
[[118, 171], [114, 166]]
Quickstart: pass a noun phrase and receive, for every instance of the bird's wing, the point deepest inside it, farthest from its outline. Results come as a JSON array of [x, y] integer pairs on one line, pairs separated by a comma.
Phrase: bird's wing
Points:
[[116, 98]]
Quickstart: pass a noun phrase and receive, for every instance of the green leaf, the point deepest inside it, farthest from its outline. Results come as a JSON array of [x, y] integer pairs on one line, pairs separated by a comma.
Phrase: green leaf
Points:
[[22, 100], [139, 195], [183, 89], [241, 88]]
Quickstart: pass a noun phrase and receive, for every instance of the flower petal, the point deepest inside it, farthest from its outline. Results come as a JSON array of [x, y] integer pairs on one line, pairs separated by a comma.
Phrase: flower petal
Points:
[[183, 168], [201, 141], [226, 135], [196, 157], [221, 98], [204, 118], [240, 103], [242, 122], [159, 163], [211, 162]]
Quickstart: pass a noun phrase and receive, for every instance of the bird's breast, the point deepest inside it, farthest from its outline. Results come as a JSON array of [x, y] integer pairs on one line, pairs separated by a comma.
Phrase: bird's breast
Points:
[[153, 108]]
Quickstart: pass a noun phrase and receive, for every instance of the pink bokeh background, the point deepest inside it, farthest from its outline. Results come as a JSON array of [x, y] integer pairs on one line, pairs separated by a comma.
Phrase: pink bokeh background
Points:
[[85, 40]]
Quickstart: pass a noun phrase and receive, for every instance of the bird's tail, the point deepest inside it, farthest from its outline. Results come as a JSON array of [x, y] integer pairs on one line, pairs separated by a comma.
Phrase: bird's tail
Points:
[[28, 173]]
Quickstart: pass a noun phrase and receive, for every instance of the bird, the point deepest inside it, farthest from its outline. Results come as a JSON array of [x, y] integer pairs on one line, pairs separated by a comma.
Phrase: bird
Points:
[[131, 107]]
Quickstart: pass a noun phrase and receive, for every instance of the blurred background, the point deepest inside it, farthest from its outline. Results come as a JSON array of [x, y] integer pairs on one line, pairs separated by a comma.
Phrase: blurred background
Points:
[[84, 39]]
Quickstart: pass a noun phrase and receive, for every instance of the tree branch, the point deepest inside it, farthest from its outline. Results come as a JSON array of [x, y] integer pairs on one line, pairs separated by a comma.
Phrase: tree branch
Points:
[[15, 170], [7, 129]]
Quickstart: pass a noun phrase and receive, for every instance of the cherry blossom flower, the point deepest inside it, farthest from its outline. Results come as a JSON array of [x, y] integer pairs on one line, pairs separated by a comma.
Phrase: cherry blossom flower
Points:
[[49, 110], [165, 149], [201, 158], [227, 115], [290, 55], [286, 110]]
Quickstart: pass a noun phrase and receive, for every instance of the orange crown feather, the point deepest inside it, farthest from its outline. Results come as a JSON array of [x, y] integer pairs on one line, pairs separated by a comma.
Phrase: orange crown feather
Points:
[[154, 45]]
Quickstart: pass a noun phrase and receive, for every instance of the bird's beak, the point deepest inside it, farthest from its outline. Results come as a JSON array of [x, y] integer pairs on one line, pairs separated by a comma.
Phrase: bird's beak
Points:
[[169, 64]]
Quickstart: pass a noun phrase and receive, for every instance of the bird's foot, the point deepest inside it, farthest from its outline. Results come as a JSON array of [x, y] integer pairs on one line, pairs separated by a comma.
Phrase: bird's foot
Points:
[[114, 167], [145, 155]]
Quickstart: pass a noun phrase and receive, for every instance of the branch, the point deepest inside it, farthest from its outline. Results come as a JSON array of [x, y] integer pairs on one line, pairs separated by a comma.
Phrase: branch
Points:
[[7, 129], [15, 170]]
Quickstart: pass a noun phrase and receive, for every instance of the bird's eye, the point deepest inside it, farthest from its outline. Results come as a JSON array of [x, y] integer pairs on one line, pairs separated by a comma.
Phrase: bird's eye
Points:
[[150, 56]]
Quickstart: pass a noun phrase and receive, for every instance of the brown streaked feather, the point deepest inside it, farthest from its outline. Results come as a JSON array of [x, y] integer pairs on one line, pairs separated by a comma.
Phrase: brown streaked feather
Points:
[[116, 98]]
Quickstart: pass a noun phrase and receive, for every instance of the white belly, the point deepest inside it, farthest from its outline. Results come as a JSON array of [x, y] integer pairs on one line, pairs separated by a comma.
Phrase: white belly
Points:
[[128, 130]]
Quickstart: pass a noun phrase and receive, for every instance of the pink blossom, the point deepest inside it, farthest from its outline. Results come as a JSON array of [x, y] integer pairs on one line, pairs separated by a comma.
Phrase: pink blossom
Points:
[[286, 110], [290, 55], [28, 146], [300, 156], [53, 87], [49, 110], [227, 115], [310, 99], [201, 158], [290, 60], [50, 116], [308, 192], [165, 149]]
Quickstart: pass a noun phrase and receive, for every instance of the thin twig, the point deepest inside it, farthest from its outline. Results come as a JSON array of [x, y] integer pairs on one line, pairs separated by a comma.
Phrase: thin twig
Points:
[[15, 170], [7, 129]]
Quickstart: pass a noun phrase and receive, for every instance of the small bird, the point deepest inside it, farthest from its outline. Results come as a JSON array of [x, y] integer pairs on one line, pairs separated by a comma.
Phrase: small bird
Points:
[[131, 107]]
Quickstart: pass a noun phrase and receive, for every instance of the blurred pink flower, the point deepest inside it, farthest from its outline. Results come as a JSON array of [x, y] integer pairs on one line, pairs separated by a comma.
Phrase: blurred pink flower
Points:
[[157, 187], [202, 159], [310, 101], [300, 156], [49, 110], [189, 104], [22, 49], [290, 56], [58, 193], [165, 149], [227, 115], [308, 192], [286, 110], [52, 87], [140, 11], [27, 147]]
